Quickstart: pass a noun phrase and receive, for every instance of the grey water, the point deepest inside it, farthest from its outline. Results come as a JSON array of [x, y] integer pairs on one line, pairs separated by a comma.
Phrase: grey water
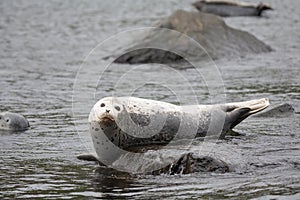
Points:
[[43, 46]]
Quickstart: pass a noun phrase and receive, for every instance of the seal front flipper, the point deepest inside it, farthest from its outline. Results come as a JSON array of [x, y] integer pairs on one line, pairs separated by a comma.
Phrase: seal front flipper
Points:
[[90, 157], [87, 157]]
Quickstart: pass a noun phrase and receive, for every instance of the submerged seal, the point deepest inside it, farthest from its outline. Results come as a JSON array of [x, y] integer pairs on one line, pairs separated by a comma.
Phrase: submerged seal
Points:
[[129, 122], [13, 122], [230, 8]]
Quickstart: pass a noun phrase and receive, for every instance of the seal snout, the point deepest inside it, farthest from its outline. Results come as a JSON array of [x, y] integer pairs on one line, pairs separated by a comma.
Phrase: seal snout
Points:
[[106, 119], [106, 110]]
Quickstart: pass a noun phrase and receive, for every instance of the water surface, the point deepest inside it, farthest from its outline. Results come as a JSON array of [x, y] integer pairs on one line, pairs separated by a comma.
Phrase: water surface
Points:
[[42, 47]]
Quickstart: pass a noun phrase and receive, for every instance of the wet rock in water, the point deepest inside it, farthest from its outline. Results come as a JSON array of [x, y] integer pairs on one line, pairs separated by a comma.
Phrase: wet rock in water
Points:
[[282, 110], [191, 163], [230, 8], [210, 31], [186, 164]]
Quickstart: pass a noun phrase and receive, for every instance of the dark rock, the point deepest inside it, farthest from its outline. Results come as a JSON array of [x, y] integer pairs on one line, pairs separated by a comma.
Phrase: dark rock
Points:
[[169, 42], [282, 110], [191, 163], [229, 8]]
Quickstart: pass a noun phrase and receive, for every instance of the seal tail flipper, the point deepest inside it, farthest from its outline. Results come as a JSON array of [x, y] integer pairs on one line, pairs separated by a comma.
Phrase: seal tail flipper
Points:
[[237, 112], [261, 7]]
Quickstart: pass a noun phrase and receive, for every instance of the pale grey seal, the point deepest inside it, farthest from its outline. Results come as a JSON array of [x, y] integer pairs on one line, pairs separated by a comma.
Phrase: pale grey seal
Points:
[[123, 127], [227, 8], [13, 122], [130, 122]]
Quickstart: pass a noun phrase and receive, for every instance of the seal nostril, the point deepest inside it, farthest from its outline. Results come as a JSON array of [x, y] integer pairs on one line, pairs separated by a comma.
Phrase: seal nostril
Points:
[[102, 105], [107, 111], [117, 108], [7, 120]]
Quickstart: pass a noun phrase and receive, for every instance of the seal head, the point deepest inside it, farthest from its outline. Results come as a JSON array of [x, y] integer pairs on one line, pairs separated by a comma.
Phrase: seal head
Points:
[[13, 122]]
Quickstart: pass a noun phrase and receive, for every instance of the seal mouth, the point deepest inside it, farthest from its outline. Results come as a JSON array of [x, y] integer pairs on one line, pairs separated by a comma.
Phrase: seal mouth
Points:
[[106, 119]]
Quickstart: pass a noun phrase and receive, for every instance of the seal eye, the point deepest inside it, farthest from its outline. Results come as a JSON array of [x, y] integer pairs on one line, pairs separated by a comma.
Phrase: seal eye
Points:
[[117, 108], [102, 104], [7, 120]]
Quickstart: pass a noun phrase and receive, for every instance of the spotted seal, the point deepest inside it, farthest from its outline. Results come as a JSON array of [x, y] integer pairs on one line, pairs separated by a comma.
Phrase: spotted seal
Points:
[[132, 123], [230, 8], [13, 122]]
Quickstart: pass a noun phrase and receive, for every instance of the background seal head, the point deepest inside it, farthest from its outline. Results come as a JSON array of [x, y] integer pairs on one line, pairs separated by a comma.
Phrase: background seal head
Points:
[[13, 122]]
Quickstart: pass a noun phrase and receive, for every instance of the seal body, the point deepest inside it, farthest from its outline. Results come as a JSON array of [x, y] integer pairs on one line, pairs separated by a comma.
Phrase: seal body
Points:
[[13, 122], [129, 122], [230, 8]]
